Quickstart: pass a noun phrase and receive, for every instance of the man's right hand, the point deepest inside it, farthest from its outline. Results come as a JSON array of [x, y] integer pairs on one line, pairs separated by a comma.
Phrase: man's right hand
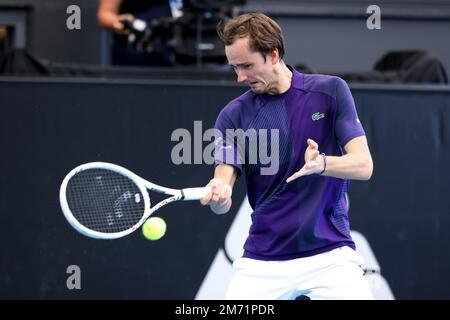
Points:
[[118, 25], [219, 197]]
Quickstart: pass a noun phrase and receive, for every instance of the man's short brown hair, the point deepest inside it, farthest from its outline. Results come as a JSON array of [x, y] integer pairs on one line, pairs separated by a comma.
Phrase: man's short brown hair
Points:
[[264, 34]]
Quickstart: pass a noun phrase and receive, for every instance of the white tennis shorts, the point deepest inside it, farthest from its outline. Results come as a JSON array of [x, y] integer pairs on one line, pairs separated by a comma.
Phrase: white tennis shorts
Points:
[[336, 274]]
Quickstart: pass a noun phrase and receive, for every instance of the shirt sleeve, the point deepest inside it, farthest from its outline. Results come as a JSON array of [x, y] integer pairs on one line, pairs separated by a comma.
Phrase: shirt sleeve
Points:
[[348, 125], [226, 150]]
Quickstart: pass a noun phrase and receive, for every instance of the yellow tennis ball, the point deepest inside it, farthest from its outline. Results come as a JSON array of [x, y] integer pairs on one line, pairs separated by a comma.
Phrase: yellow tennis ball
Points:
[[154, 228]]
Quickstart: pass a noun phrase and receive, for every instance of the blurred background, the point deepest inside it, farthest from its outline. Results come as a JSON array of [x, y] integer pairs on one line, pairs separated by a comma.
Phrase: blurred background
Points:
[[110, 80], [321, 36]]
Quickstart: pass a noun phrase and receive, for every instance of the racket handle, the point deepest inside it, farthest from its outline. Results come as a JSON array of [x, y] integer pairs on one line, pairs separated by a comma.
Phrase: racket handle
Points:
[[195, 193]]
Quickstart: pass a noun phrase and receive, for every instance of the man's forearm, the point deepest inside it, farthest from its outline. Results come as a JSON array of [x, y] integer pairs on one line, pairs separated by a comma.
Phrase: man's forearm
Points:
[[107, 19], [349, 166]]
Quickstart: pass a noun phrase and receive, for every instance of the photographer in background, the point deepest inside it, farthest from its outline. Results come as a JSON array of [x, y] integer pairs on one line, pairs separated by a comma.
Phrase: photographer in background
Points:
[[113, 15]]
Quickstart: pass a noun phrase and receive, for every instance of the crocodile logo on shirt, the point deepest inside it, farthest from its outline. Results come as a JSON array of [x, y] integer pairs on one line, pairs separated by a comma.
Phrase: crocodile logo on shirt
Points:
[[317, 116]]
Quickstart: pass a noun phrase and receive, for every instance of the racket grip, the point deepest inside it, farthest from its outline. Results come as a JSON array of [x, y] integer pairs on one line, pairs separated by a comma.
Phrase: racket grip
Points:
[[195, 193]]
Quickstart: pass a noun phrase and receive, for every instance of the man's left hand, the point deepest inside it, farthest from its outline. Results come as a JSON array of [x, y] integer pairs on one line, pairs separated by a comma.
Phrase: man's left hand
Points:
[[313, 163]]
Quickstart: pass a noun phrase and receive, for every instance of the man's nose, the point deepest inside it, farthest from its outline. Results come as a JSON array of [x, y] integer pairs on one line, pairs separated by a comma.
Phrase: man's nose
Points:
[[241, 76]]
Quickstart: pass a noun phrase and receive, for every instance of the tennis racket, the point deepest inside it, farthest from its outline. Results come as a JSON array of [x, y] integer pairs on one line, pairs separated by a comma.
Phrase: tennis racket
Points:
[[106, 201]]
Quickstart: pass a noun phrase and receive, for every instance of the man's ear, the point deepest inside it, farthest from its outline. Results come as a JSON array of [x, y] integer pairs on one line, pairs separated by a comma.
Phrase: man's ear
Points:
[[275, 56]]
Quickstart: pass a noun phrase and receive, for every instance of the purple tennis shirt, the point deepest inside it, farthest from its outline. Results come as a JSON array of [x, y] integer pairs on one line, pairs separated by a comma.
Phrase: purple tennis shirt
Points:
[[309, 215]]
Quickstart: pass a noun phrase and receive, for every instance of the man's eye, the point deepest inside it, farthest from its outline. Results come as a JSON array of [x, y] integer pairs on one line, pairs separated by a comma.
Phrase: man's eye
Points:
[[247, 66]]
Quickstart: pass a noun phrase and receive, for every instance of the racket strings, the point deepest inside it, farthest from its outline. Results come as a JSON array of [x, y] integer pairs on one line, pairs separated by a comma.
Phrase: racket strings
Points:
[[104, 200]]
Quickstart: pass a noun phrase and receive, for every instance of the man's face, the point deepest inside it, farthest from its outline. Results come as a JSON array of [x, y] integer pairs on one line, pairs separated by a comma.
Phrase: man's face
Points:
[[250, 66]]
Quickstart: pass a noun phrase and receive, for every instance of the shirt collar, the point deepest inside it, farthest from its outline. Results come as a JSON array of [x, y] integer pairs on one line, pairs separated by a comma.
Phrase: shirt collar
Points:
[[297, 78]]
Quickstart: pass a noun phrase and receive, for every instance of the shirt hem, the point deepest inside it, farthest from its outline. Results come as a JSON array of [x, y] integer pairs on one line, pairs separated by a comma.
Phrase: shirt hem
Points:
[[251, 255]]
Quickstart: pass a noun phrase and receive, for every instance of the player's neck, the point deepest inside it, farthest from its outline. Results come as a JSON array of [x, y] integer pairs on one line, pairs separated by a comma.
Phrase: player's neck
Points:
[[284, 79]]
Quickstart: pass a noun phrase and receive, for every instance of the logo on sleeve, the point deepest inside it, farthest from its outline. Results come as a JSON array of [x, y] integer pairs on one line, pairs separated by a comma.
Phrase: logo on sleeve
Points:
[[317, 116]]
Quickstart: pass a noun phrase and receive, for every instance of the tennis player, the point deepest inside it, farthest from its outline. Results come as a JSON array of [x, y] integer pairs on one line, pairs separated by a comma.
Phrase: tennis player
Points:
[[299, 243]]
